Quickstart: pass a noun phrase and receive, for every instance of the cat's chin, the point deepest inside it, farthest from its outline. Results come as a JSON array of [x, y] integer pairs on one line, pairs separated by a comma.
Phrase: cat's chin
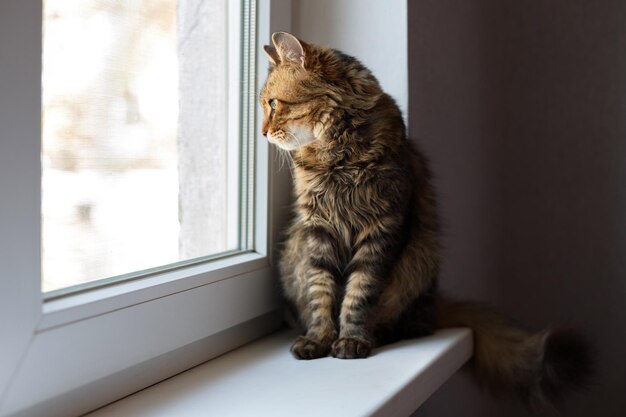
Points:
[[284, 145], [297, 138]]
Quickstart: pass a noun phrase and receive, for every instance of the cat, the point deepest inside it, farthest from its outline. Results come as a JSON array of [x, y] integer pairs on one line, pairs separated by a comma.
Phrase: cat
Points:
[[361, 257]]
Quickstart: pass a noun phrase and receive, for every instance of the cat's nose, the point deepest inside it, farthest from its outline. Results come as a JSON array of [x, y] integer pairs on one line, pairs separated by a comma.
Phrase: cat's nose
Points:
[[264, 131]]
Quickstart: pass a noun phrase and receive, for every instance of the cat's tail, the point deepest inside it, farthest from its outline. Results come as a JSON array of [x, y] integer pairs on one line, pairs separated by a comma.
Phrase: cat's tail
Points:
[[539, 368]]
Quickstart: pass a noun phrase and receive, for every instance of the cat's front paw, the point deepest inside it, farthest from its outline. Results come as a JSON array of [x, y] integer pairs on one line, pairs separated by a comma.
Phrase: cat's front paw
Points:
[[307, 348], [351, 348]]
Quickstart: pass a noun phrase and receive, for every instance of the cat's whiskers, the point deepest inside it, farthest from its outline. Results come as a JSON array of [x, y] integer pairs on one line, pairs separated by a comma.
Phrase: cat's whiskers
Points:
[[294, 137], [289, 155], [285, 158]]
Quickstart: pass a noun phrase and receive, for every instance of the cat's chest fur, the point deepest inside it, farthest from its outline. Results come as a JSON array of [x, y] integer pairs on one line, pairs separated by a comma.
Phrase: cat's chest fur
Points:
[[333, 180], [333, 171], [334, 194]]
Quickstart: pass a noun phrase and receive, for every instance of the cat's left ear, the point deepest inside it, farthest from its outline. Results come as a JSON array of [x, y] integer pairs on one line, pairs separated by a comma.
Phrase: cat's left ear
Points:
[[271, 53], [289, 48]]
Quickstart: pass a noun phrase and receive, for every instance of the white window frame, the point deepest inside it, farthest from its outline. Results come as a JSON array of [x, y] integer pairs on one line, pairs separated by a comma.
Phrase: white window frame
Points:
[[70, 355]]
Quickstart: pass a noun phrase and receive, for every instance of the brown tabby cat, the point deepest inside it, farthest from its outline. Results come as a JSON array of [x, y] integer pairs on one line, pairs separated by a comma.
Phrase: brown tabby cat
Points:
[[362, 255]]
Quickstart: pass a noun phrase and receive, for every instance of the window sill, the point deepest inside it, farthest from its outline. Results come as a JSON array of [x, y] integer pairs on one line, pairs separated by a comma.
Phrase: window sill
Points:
[[263, 379]]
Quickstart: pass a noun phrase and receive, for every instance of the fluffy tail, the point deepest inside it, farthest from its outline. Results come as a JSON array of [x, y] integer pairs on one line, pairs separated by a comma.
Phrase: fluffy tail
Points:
[[539, 368]]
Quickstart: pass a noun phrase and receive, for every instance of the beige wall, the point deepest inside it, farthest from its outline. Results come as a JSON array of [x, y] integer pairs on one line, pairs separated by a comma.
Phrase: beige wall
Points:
[[522, 109]]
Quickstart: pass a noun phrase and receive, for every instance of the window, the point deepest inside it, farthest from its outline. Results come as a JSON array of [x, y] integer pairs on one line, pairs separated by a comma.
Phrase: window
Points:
[[129, 183], [67, 354]]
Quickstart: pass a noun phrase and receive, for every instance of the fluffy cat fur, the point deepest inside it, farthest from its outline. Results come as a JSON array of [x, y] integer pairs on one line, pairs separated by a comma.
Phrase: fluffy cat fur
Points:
[[360, 262]]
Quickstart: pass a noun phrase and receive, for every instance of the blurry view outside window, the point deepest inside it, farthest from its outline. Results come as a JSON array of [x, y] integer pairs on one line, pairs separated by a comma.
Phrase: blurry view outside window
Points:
[[137, 169]]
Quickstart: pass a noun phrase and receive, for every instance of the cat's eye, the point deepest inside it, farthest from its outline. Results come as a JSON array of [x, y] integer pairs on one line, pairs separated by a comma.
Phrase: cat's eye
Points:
[[273, 103]]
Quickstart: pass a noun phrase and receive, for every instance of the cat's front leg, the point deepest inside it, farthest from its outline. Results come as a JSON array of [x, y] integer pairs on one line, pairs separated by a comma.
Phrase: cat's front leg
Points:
[[366, 272], [355, 340], [318, 275]]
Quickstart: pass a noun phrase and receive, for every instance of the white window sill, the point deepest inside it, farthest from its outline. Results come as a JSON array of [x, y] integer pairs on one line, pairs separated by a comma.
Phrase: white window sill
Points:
[[263, 379]]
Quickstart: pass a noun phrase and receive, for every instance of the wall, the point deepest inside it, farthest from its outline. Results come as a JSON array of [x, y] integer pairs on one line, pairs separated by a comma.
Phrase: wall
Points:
[[373, 31], [522, 109]]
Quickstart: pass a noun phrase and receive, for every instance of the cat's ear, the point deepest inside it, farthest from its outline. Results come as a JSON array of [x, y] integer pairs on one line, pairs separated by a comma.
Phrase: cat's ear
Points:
[[289, 48], [272, 55]]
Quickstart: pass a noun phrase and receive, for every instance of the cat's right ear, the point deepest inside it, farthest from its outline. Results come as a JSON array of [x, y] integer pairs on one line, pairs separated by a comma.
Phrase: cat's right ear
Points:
[[272, 54], [289, 48]]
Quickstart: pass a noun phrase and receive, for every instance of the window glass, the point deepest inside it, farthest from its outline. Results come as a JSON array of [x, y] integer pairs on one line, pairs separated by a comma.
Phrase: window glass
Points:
[[138, 170]]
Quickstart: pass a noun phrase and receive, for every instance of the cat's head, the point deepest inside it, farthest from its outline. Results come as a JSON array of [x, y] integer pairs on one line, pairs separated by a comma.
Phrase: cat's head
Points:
[[311, 92]]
